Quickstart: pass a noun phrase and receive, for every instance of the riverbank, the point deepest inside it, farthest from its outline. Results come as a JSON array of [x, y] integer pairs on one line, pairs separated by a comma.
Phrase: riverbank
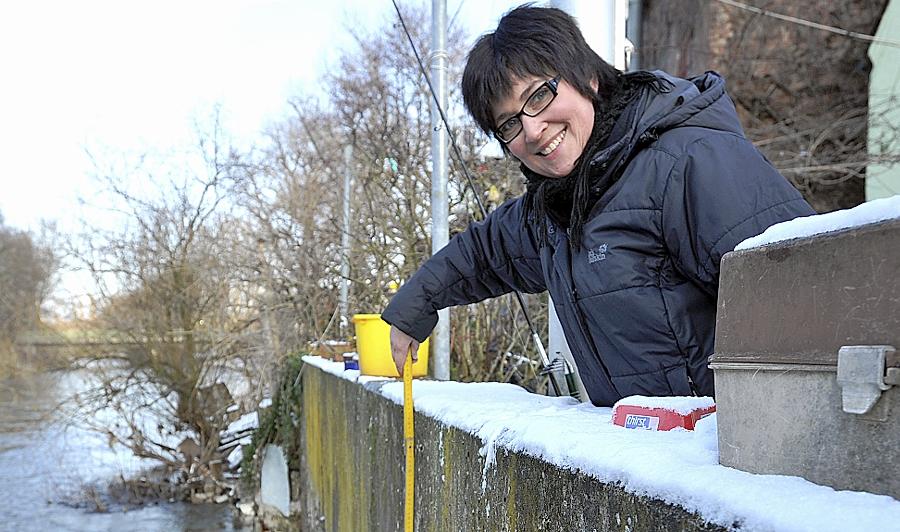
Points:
[[17, 361], [149, 487], [68, 478]]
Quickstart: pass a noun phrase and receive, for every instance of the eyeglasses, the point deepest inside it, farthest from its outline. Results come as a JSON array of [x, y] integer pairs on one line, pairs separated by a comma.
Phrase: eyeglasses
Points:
[[537, 102]]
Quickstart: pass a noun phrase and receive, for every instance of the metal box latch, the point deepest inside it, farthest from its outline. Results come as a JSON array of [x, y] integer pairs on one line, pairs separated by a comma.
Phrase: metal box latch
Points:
[[863, 372]]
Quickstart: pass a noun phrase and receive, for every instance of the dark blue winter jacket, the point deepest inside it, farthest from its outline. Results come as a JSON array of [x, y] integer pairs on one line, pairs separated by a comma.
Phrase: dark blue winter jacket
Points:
[[637, 299]]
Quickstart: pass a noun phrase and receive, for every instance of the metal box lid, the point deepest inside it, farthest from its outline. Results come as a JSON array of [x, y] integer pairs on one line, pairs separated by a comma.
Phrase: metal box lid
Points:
[[800, 301]]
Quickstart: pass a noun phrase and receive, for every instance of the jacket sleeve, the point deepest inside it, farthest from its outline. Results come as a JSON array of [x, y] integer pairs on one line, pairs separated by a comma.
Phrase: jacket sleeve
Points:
[[491, 258], [721, 192]]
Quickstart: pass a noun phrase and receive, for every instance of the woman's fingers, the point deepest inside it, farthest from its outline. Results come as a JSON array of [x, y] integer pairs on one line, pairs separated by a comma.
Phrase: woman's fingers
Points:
[[401, 343]]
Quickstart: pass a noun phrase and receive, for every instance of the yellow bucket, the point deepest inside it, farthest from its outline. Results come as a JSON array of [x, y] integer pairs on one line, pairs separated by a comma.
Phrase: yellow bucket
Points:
[[373, 343]]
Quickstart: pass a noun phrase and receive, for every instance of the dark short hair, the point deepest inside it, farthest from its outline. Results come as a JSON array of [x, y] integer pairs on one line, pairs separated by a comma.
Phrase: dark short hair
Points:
[[530, 41]]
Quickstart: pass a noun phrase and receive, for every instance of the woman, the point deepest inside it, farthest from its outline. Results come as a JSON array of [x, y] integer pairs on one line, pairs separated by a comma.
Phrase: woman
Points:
[[637, 184]]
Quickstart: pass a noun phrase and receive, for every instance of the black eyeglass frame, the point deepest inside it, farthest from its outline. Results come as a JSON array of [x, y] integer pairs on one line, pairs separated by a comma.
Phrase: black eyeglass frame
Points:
[[553, 85]]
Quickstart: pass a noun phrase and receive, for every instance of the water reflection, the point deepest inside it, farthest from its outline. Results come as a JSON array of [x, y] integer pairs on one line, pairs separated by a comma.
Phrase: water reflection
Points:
[[45, 465]]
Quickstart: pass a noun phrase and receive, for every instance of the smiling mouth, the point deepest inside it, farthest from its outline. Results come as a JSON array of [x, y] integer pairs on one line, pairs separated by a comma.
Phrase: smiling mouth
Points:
[[549, 148]]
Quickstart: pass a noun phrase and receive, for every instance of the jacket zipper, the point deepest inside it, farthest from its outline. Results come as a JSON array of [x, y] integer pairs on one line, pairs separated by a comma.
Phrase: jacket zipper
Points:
[[579, 316]]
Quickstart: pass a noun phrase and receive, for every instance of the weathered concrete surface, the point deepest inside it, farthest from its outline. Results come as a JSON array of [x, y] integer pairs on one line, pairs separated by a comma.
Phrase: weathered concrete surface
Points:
[[784, 312], [351, 476]]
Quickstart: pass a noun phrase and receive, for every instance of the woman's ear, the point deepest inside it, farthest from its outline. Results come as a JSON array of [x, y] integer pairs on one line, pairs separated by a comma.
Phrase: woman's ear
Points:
[[595, 84]]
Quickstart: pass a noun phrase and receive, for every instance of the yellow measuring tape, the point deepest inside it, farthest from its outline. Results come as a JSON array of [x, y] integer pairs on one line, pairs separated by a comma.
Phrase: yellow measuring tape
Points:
[[409, 438]]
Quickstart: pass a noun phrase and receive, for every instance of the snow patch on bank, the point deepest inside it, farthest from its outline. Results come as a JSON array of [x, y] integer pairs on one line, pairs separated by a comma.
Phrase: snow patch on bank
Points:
[[867, 213], [679, 466]]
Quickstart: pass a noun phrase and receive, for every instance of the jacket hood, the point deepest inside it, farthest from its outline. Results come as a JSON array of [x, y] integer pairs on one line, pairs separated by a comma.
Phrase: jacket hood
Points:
[[700, 101]]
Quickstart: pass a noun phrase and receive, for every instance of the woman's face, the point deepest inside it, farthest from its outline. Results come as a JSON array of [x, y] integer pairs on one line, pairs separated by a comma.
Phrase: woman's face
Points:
[[551, 142]]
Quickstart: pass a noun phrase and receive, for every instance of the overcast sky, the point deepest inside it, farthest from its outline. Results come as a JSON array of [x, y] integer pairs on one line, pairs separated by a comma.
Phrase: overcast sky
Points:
[[128, 76]]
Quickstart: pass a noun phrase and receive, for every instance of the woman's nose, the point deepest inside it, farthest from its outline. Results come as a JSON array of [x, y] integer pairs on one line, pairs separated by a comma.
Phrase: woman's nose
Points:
[[532, 127]]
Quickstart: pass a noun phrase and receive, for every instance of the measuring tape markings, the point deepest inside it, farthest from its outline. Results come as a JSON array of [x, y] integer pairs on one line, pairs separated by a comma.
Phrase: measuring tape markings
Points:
[[409, 439]]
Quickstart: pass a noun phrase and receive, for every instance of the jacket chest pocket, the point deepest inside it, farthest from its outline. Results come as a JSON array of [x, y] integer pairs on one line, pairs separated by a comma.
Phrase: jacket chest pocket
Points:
[[614, 260]]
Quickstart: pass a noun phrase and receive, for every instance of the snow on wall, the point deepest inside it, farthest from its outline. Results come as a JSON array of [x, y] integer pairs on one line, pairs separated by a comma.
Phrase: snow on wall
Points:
[[680, 467], [867, 213]]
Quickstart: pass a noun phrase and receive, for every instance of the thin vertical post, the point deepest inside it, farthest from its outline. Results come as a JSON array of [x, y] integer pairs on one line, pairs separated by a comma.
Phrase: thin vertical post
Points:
[[440, 229], [343, 304], [603, 26]]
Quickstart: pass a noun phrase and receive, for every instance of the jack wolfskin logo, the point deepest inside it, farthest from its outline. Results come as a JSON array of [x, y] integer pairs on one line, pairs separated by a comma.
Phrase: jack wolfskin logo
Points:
[[597, 255]]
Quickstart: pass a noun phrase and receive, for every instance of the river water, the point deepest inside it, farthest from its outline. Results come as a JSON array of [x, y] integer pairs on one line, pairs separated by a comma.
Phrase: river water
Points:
[[46, 463]]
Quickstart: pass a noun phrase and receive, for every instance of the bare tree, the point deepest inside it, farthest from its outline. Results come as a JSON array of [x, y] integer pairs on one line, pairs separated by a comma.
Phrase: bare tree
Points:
[[27, 272], [802, 93], [379, 103], [177, 319], [291, 197]]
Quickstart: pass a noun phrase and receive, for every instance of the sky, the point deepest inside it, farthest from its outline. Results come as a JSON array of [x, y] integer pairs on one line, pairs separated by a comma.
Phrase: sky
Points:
[[678, 466], [132, 76]]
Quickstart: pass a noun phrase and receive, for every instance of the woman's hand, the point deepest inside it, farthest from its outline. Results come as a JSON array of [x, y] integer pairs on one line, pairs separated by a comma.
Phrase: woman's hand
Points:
[[401, 343]]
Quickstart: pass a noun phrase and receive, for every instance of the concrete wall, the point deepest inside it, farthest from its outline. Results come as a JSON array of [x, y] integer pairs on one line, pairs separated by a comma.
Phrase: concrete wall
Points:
[[351, 476]]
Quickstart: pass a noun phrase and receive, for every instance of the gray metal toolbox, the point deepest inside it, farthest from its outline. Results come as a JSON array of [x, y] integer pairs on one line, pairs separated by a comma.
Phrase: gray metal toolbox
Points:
[[807, 359]]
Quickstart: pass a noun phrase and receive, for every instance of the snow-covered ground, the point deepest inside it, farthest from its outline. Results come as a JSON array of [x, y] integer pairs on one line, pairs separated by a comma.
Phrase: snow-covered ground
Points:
[[870, 212], [679, 466]]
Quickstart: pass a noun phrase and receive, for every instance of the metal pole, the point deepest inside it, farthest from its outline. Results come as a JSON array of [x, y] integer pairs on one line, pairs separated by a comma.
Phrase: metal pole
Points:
[[633, 33], [440, 228], [603, 26], [266, 301], [345, 243]]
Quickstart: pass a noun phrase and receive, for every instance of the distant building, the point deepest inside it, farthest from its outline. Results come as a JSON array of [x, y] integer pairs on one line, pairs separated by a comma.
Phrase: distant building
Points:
[[883, 176]]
